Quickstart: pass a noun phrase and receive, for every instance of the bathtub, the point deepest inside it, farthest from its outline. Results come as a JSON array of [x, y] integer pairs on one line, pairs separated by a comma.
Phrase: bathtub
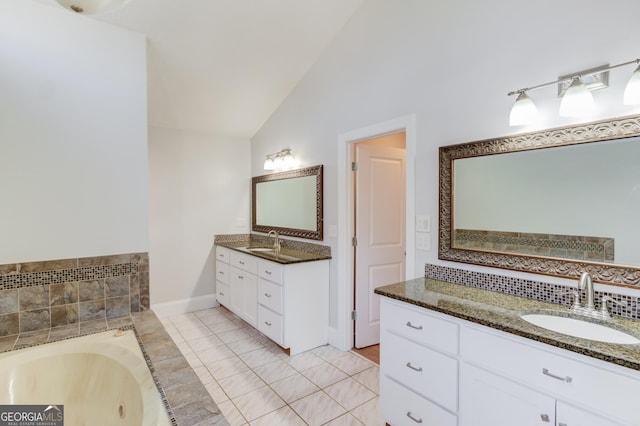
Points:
[[101, 379]]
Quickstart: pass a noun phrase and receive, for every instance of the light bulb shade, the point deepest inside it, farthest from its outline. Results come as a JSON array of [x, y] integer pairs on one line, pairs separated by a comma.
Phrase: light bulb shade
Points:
[[523, 112], [278, 162], [632, 91], [577, 101], [288, 162], [268, 164], [92, 7]]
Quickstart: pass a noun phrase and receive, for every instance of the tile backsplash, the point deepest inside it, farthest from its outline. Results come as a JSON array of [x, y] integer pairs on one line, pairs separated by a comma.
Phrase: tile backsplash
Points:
[[537, 290], [46, 294]]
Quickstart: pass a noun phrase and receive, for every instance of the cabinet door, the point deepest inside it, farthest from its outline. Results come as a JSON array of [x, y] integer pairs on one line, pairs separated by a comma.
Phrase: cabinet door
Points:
[[236, 290], [243, 295], [569, 415], [489, 399]]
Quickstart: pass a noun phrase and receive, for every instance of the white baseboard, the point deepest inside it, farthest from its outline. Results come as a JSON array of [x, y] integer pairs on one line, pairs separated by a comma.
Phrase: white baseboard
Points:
[[183, 306]]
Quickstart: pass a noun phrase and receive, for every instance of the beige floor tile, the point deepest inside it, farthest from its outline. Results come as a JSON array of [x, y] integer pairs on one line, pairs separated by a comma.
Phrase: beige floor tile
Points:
[[305, 361], [194, 333], [284, 416], [235, 335], [369, 413], [345, 420], [226, 367], [294, 387], [257, 403], [349, 393], [205, 342], [222, 326], [327, 352], [216, 392], [317, 408], [274, 371], [215, 353], [351, 363], [324, 375], [232, 414], [241, 383], [185, 321], [370, 378], [258, 357], [245, 345]]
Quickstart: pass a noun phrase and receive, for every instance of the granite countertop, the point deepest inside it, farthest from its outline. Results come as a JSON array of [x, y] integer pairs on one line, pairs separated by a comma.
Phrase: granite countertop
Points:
[[287, 255], [502, 312]]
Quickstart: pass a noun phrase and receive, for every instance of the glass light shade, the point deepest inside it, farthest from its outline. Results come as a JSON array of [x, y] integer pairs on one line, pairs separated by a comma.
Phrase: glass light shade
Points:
[[268, 164], [92, 7], [577, 101], [632, 91], [288, 161], [523, 112], [278, 162]]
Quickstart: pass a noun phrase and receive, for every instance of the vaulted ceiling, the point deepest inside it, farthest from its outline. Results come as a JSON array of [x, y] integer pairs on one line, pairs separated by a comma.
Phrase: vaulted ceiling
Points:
[[224, 66]]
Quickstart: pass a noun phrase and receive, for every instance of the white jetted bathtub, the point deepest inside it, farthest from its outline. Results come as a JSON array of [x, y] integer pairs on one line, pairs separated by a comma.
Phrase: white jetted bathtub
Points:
[[101, 379]]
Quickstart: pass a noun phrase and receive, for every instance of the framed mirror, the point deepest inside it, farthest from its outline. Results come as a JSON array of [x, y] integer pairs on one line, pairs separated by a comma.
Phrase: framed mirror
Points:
[[554, 202], [288, 202]]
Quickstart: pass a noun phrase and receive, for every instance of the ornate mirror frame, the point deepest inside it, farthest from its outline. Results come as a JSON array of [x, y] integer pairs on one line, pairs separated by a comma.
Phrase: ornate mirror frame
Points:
[[316, 234], [618, 128]]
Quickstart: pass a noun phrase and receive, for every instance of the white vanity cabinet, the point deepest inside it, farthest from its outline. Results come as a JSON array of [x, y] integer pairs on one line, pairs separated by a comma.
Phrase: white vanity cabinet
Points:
[[293, 304], [499, 379], [288, 303]]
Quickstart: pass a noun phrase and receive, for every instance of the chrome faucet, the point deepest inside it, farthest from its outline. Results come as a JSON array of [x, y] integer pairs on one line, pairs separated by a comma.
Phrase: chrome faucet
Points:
[[276, 241], [588, 308], [586, 283]]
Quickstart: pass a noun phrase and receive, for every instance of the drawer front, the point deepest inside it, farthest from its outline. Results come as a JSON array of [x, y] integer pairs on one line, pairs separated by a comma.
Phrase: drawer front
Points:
[[568, 376], [270, 324], [222, 272], [420, 326], [223, 254], [270, 271], [244, 262], [429, 373], [400, 406], [222, 293], [270, 295]]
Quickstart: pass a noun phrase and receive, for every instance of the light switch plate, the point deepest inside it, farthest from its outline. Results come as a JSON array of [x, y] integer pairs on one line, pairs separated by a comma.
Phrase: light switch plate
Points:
[[423, 223], [423, 241]]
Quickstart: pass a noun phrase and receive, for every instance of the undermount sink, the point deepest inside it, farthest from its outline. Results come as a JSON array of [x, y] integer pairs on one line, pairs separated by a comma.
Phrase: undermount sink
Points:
[[579, 328], [271, 253]]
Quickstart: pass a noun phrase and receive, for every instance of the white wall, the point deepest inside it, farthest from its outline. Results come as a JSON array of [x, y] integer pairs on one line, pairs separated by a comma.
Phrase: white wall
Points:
[[73, 136], [451, 63], [199, 185]]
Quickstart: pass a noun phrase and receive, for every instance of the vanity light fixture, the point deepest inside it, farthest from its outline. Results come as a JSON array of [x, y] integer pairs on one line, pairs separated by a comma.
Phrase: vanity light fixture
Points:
[[574, 89], [282, 160]]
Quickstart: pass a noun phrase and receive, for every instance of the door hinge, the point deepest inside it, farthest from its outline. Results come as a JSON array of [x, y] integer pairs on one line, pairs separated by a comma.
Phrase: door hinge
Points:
[[354, 315], [354, 241], [354, 166]]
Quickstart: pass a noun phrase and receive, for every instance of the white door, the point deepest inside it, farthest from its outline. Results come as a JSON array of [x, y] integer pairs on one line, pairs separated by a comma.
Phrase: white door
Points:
[[380, 232]]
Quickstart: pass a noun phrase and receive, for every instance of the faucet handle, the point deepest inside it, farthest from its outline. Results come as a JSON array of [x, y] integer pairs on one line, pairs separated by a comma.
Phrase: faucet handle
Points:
[[604, 309], [576, 296]]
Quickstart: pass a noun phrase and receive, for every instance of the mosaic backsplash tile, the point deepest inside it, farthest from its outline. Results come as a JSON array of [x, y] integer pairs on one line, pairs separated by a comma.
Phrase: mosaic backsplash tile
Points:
[[536, 290], [48, 294]]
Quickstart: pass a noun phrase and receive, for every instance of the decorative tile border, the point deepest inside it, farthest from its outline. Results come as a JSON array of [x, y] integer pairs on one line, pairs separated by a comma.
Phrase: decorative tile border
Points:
[[593, 249], [41, 295], [536, 290]]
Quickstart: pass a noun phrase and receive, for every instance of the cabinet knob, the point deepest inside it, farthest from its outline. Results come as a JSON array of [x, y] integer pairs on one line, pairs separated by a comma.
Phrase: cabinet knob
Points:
[[268, 323], [221, 293], [267, 272], [241, 262], [241, 277], [221, 272], [267, 294], [545, 418], [413, 368], [414, 418], [415, 327]]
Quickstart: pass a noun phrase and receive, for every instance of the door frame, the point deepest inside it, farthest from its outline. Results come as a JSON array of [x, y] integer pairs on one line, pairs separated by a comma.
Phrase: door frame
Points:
[[342, 336]]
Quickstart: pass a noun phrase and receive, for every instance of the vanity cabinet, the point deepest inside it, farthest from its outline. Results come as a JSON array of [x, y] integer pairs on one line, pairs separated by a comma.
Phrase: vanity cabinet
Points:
[[288, 303], [480, 376]]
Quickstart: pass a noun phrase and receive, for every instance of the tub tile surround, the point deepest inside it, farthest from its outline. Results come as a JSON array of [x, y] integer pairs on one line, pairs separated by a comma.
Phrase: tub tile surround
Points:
[[186, 399], [536, 290], [48, 294]]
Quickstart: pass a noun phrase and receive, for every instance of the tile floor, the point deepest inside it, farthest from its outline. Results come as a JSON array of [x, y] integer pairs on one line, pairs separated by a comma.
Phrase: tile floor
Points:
[[255, 383]]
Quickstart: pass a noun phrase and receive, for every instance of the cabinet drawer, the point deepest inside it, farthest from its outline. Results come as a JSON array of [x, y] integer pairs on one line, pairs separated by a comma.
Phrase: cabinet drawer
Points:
[[222, 293], [563, 374], [418, 325], [244, 262], [270, 324], [222, 272], [270, 271], [222, 254], [425, 371], [270, 295], [400, 406]]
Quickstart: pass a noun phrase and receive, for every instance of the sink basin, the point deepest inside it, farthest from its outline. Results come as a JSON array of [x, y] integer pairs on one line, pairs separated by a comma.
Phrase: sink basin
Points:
[[259, 249], [271, 253], [579, 328]]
